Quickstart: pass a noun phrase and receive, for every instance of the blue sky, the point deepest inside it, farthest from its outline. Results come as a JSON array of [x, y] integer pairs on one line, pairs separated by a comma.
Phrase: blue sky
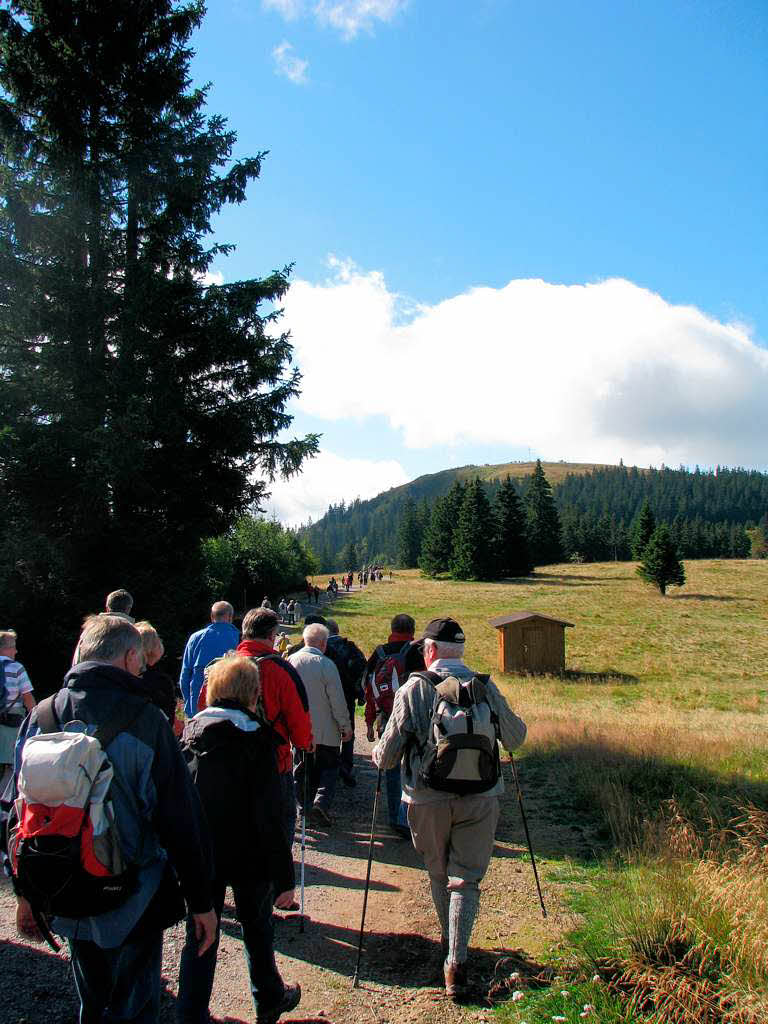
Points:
[[514, 225]]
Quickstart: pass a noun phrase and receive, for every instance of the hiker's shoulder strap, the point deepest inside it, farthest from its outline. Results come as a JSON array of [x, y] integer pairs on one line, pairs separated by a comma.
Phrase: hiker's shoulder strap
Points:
[[121, 721], [405, 648], [430, 677], [296, 679], [47, 719]]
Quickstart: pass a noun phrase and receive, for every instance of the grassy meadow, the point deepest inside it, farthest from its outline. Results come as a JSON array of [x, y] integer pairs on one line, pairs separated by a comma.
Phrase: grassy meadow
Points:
[[654, 742]]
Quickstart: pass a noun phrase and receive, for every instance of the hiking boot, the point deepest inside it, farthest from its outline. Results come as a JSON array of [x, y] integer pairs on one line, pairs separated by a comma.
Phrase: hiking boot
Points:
[[348, 779], [290, 1000], [455, 980], [319, 816], [401, 830]]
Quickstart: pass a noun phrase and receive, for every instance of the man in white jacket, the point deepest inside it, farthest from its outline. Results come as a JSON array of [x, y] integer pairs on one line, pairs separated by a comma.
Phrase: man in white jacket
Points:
[[331, 725]]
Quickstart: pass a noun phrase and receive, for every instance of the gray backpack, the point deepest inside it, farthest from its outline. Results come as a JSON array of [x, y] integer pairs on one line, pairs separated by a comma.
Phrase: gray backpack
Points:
[[461, 754]]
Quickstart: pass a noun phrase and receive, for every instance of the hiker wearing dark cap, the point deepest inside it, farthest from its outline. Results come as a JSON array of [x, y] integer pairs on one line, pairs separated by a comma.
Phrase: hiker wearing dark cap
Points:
[[388, 668], [452, 789]]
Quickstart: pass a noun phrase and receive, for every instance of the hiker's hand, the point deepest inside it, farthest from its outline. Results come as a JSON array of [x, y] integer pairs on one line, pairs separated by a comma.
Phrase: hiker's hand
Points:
[[369, 734], [206, 926], [285, 900], [25, 921], [347, 735]]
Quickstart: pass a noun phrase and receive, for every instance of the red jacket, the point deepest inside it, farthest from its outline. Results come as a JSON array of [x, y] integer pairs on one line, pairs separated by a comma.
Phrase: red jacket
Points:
[[282, 703]]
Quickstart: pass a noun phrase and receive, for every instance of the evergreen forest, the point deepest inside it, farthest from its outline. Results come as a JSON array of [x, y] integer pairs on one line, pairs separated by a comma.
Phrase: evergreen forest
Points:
[[590, 516]]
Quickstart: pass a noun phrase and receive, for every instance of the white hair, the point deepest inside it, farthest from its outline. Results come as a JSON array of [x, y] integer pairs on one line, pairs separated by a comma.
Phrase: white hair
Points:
[[315, 635], [443, 649]]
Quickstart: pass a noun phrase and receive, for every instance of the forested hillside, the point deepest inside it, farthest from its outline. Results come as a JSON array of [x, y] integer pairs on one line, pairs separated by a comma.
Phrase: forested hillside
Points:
[[598, 506]]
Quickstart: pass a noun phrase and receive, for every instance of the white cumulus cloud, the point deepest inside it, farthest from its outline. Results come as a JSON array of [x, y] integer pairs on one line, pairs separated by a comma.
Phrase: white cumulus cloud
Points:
[[592, 372], [328, 479], [348, 17], [288, 65]]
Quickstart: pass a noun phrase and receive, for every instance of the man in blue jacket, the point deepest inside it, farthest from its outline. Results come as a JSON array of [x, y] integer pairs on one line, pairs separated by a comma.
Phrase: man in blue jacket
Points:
[[202, 647], [117, 956]]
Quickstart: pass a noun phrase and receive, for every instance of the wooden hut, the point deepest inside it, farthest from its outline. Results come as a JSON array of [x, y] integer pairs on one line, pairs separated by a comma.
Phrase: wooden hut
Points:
[[531, 642]]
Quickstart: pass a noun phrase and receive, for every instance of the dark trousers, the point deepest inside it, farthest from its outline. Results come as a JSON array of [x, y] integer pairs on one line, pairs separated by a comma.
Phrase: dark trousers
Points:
[[253, 901], [322, 772], [348, 746], [121, 984], [288, 805]]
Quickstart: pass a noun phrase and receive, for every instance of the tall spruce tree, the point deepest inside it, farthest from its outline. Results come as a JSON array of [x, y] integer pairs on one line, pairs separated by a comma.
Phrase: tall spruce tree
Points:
[[510, 547], [661, 563], [542, 520], [473, 539], [437, 545], [643, 528], [409, 535], [140, 405]]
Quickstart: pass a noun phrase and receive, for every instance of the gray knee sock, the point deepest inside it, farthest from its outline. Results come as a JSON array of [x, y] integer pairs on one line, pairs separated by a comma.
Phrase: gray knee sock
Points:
[[440, 898], [462, 914]]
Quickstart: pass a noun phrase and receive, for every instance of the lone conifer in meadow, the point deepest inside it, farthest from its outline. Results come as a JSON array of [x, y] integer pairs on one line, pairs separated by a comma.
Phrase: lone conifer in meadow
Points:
[[542, 520], [661, 564], [511, 557], [645, 524], [472, 541]]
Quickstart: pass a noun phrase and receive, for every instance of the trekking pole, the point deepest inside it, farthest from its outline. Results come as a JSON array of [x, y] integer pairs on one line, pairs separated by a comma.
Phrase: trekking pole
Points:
[[303, 840], [527, 833], [355, 981]]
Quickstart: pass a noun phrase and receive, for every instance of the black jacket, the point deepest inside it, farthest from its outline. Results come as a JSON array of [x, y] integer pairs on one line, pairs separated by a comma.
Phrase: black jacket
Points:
[[231, 757]]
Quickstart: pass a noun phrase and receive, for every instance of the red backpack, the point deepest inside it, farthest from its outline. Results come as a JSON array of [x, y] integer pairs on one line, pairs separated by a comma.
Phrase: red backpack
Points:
[[387, 676], [63, 844]]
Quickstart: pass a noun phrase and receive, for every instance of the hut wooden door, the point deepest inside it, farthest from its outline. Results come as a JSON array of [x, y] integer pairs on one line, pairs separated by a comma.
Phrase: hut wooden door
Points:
[[534, 653]]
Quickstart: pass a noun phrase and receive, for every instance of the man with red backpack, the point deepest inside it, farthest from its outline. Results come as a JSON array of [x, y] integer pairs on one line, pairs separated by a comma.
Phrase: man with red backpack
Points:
[[284, 702], [388, 668]]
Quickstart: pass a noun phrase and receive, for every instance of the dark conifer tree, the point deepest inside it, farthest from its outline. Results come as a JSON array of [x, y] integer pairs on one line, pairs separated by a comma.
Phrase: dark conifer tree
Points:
[[408, 536], [542, 520], [510, 548], [644, 526], [437, 545], [473, 539], [141, 405], [661, 563]]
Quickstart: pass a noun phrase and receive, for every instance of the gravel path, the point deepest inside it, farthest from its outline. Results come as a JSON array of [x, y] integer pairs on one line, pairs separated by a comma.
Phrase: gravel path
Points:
[[400, 977]]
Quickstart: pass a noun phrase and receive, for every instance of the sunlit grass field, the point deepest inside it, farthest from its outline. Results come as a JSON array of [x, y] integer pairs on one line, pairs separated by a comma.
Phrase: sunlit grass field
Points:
[[694, 660]]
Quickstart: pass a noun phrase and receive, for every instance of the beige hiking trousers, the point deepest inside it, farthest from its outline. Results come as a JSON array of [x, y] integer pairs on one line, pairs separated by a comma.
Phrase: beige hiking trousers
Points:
[[455, 837]]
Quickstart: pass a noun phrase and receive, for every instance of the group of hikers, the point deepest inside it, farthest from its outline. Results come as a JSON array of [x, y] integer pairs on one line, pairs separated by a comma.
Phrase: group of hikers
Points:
[[115, 828]]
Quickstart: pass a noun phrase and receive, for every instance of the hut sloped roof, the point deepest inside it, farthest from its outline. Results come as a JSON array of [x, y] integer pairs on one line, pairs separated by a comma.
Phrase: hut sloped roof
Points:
[[503, 620]]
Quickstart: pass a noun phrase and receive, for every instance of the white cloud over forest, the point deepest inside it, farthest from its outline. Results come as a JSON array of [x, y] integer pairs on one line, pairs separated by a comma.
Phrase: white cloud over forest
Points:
[[348, 17], [592, 372], [289, 65], [327, 479]]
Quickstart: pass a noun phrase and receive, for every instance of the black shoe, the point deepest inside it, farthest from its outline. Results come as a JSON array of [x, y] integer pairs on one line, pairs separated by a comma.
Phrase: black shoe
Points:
[[319, 816], [401, 830], [348, 779], [291, 999]]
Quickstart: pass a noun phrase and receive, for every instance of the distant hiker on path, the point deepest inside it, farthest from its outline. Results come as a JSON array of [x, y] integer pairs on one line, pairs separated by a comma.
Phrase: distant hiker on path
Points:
[[202, 647], [330, 722], [282, 610], [387, 669], [266, 603], [453, 806], [161, 687]]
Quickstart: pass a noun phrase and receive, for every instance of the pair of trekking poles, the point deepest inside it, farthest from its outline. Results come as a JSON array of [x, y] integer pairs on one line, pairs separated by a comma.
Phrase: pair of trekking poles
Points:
[[355, 979]]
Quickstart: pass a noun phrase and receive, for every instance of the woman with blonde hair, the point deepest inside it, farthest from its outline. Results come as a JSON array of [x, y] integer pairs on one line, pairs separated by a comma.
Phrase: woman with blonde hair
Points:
[[161, 688], [231, 756]]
